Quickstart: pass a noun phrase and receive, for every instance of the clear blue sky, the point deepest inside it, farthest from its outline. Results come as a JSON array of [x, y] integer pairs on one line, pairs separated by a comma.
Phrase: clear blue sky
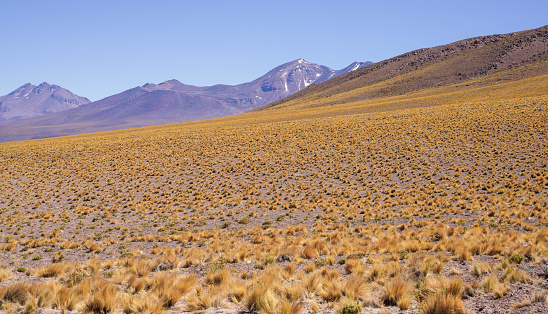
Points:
[[99, 48]]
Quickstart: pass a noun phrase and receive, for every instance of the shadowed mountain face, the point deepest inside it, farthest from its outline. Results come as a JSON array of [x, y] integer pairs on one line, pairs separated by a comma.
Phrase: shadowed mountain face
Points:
[[425, 68], [32, 101], [173, 101]]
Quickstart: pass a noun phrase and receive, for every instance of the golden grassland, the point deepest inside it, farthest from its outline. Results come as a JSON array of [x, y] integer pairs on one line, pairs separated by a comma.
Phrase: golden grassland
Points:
[[429, 201]]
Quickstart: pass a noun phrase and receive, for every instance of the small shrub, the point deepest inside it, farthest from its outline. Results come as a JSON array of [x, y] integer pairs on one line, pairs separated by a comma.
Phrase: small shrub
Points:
[[76, 277], [57, 257], [351, 309], [517, 258], [321, 262]]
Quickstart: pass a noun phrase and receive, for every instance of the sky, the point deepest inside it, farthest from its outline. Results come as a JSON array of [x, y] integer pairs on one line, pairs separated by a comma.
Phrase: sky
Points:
[[100, 48]]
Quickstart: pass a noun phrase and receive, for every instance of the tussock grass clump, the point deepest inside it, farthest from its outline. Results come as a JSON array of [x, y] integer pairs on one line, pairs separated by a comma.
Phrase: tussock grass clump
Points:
[[439, 295], [436, 285], [16, 293], [463, 254], [310, 267], [237, 292], [512, 275], [289, 270], [92, 266], [68, 298], [140, 304], [396, 292], [5, 274], [292, 292], [217, 277], [7, 247], [492, 284], [351, 265], [140, 266], [330, 290], [311, 282], [309, 252], [262, 300], [377, 270], [53, 270], [479, 268], [46, 293], [204, 300], [102, 300], [291, 307], [136, 284], [356, 287], [169, 288], [441, 303], [538, 297]]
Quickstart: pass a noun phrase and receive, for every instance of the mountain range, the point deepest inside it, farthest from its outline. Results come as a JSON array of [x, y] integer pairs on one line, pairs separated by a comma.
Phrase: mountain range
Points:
[[31, 101], [170, 102], [298, 85]]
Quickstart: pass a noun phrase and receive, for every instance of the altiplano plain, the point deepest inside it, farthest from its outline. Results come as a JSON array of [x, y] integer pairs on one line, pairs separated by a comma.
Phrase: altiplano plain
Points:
[[367, 199]]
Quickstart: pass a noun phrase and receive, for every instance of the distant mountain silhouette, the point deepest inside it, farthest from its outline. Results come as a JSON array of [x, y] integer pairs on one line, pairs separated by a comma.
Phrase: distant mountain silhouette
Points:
[[32, 101], [173, 101]]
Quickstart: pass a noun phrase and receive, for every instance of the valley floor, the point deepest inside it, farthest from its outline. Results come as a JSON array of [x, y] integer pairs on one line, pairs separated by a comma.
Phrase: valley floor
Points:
[[430, 209]]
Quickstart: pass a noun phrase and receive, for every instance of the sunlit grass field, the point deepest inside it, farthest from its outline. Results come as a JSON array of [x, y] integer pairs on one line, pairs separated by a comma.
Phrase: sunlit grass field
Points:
[[431, 201]]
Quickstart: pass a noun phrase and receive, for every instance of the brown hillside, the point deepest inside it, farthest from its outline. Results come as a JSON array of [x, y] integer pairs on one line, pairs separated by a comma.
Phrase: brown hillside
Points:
[[438, 66]]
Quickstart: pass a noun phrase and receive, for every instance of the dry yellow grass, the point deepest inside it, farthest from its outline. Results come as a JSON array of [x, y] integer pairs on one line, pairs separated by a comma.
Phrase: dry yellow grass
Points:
[[538, 297], [396, 292], [355, 205], [5, 274], [442, 304]]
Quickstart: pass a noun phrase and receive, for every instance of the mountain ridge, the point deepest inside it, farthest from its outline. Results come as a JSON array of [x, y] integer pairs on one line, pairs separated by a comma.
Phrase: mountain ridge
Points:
[[265, 89], [172, 101], [30, 100], [429, 67]]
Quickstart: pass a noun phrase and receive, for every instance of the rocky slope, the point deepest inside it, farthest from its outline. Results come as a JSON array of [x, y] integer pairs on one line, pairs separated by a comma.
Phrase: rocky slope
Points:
[[429, 67]]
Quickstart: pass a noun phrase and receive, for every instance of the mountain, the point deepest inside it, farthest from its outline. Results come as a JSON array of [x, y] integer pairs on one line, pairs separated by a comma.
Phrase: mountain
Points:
[[31, 101], [460, 61], [278, 83], [173, 101]]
